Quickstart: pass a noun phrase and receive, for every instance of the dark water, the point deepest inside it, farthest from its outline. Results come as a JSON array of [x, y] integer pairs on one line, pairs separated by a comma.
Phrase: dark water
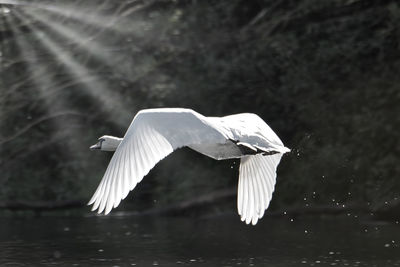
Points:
[[222, 241]]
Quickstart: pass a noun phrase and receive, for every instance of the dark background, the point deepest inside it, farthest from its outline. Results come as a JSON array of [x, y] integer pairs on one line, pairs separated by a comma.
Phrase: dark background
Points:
[[323, 74]]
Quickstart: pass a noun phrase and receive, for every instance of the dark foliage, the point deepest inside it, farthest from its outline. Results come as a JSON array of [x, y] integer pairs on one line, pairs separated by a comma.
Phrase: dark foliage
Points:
[[323, 74]]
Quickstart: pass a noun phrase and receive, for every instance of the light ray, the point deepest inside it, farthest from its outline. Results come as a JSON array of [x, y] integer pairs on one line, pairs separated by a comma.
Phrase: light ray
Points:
[[96, 49], [38, 73], [113, 103], [90, 16], [145, 64], [82, 40], [53, 105]]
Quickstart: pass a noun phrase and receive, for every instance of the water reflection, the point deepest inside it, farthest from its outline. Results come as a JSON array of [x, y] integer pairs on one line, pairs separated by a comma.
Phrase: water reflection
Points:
[[223, 241]]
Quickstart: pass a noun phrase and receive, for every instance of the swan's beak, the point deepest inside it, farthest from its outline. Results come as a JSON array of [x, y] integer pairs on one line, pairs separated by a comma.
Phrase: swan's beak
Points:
[[96, 146]]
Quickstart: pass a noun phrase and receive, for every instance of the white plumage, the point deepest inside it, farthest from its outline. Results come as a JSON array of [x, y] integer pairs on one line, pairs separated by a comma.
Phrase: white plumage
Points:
[[155, 133]]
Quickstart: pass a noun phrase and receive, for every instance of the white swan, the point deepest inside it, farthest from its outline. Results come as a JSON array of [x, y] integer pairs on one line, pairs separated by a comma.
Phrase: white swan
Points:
[[155, 133]]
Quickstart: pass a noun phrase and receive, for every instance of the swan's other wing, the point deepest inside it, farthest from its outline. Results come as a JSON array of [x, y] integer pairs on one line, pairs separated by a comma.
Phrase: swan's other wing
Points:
[[257, 177], [152, 135]]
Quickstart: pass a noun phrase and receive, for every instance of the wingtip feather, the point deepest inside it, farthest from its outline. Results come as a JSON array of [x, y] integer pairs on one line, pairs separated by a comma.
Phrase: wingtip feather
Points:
[[91, 201], [93, 208]]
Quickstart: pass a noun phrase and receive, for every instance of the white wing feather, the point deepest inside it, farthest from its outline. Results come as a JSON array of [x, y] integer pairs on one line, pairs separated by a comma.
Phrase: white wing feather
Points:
[[152, 135], [257, 177]]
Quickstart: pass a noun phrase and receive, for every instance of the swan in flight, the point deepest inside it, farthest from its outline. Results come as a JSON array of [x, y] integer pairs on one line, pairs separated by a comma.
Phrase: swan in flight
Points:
[[155, 133]]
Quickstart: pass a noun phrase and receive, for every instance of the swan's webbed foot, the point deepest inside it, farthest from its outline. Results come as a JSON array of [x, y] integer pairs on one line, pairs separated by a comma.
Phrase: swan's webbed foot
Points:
[[245, 148], [248, 149], [268, 153]]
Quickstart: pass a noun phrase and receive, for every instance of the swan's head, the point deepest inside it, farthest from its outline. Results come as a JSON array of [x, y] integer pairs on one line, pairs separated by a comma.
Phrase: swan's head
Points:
[[107, 143]]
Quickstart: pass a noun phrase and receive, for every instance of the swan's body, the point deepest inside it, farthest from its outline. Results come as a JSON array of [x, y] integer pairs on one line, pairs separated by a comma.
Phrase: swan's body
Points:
[[155, 133]]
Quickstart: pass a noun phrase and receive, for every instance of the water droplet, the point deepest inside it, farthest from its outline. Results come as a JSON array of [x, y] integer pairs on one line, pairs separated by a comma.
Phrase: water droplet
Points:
[[331, 252], [100, 250], [387, 245]]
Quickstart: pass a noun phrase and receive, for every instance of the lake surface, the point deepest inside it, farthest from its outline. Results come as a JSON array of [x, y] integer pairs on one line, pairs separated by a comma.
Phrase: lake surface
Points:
[[179, 241]]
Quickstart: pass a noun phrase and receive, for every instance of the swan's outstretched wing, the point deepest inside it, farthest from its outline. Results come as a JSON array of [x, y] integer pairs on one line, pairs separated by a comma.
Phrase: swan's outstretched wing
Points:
[[152, 135], [257, 176]]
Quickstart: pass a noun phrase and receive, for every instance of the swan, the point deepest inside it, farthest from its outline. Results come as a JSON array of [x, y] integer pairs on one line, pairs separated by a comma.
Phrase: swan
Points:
[[155, 133]]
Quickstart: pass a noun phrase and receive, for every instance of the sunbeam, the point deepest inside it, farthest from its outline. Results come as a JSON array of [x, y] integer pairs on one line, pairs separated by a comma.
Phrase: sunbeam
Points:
[[89, 15], [53, 105], [140, 64], [40, 76], [83, 40], [106, 55], [37, 72], [112, 103]]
